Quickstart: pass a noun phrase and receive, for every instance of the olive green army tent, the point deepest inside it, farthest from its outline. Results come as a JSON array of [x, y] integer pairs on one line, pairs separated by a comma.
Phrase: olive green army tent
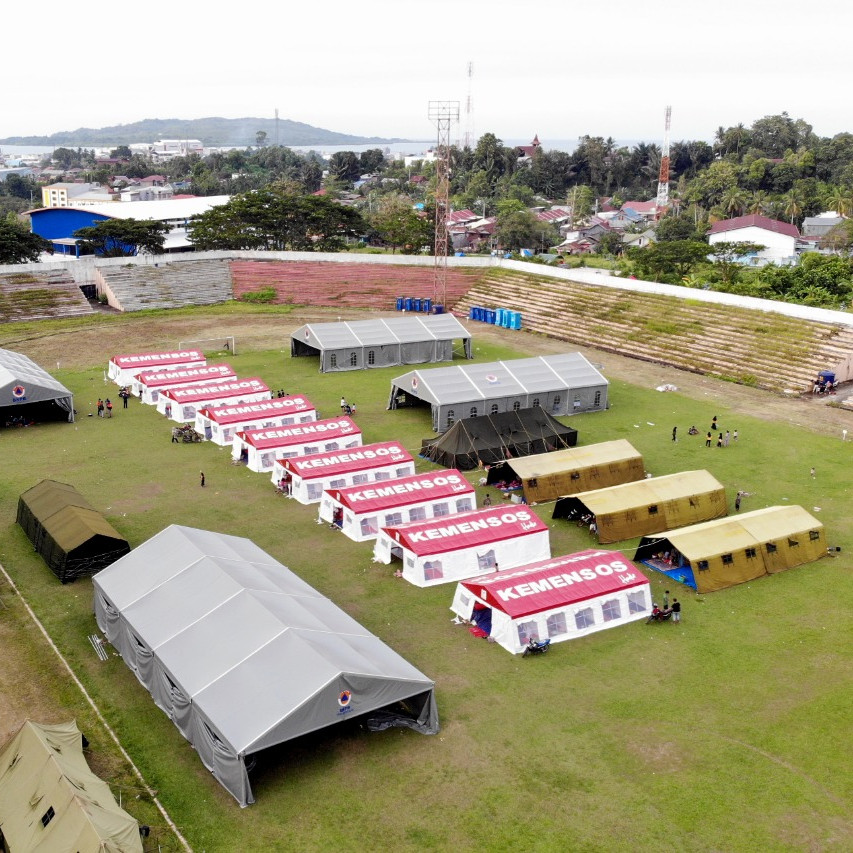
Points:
[[648, 506], [547, 476], [70, 534], [51, 802], [728, 551]]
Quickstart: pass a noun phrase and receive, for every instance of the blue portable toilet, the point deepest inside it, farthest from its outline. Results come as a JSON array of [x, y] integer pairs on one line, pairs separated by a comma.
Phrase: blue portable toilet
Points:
[[505, 317], [426, 305], [416, 305], [479, 314], [437, 309], [499, 315], [472, 313], [515, 320], [408, 303], [400, 303], [491, 316]]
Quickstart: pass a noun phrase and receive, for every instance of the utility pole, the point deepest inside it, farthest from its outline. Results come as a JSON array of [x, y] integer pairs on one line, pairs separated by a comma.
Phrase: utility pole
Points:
[[469, 111], [663, 178], [442, 114]]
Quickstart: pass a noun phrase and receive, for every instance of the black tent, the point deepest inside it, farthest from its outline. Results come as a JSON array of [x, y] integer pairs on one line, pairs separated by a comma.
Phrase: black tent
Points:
[[73, 538], [488, 439]]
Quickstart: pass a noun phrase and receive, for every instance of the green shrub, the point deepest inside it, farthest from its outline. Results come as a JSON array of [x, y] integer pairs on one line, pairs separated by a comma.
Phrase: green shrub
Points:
[[263, 296]]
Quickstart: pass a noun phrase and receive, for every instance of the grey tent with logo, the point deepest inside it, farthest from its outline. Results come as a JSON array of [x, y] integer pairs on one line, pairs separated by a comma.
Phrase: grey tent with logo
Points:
[[564, 384], [30, 393], [381, 342], [243, 655]]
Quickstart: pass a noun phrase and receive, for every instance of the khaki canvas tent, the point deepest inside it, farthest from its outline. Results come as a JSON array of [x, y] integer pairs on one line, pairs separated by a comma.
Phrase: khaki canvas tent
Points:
[[74, 539], [472, 442], [243, 655], [547, 476], [728, 551], [383, 342], [647, 506], [51, 802], [29, 393]]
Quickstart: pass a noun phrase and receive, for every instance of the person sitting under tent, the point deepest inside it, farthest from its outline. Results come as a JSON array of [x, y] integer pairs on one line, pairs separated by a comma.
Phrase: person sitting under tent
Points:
[[693, 431], [337, 519]]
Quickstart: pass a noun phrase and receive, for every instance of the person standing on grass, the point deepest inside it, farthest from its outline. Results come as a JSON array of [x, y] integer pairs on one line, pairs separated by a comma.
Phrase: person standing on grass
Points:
[[109, 408], [726, 438], [201, 474], [734, 436], [708, 440], [675, 433], [666, 599], [100, 407], [738, 496], [720, 440], [676, 610]]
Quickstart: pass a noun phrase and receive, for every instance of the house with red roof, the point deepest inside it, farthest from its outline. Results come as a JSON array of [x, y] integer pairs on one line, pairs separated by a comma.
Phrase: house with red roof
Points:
[[527, 151], [778, 238]]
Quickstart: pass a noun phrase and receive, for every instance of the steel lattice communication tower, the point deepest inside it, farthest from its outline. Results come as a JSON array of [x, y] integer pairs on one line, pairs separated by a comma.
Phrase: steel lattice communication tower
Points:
[[468, 141], [442, 114], [662, 202]]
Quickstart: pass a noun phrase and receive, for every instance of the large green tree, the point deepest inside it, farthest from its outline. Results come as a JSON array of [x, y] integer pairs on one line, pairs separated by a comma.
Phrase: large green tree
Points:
[[18, 245], [669, 261], [518, 229], [399, 225], [276, 220], [122, 238]]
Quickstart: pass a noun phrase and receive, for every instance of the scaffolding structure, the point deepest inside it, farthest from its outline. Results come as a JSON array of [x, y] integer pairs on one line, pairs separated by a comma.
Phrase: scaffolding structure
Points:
[[442, 114]]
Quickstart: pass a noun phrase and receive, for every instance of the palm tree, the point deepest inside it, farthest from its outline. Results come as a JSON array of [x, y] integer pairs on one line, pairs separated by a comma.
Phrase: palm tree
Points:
[[793, 204], [758, 202], [734, 201], [840, 201]]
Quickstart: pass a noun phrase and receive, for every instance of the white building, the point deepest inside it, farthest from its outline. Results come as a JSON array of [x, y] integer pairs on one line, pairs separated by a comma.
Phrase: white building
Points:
[[778, 238]]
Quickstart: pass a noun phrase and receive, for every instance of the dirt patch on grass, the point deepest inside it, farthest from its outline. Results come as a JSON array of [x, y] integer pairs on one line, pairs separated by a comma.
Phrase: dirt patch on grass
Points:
[[140, 501]]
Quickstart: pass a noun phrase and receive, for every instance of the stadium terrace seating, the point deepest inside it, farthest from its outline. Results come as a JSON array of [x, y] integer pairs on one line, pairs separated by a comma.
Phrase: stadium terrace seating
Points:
[[40, 296], [165, 285], [337, 285], [754, 348]]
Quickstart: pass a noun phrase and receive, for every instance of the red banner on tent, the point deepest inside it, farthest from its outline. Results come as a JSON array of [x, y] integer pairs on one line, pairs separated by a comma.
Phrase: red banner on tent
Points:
[[339, 462], [264, 439], [245, 412], [374, 497]]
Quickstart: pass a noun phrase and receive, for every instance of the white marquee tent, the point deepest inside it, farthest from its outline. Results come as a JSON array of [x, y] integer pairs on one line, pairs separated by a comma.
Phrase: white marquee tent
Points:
[[123, 369], [561, 598], [220, 424], [440, 550], [307, 477], [182, 404], [28, 391], [243, 655], [362, 510], [151, 383]]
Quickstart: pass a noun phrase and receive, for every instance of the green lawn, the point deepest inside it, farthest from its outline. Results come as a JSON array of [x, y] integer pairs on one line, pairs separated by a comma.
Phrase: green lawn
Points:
[[727, 732]]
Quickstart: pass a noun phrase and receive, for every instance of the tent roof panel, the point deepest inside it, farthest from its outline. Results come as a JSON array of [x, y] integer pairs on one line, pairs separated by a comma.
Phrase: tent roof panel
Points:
[[285, 436], [247, 412], [401, 491], [332, 462], [17, 369], [572, 458], [382, 332]]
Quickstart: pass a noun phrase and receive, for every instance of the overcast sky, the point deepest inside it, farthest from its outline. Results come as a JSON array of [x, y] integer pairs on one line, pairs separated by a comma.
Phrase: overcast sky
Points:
[[557, 69]]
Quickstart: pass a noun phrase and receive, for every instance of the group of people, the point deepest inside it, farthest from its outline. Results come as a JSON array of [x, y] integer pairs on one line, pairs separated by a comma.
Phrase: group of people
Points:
[[19, 421], [723, 438], [347, 408], [124, 393], [283, 486], [105, 408], [822, 385], [280, 393], [673, 610]]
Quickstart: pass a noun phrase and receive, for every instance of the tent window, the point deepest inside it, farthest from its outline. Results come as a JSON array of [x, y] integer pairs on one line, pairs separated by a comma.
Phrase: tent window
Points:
[[48, 816], [333, 360], [584, 618], [433, 570], [393, 518], [611, 610], [576, 403], [311, 449], [440, 510], [728, 559], [771, 548], [383, 475], [527, 631], [403, 472], [353, 359], [536, 404], [410, 562], [636, 602], [332, 445], [653, 509], [338, 484], [814, 535], [555, 406], [451, 417], [315, 491], [369, 527], [371, 357], [473, 412], [463, 505], [556, 624], [516, 406], [792, 543], [750, 553], [417, 513], [358, 479], [597, 402], [494, 409], [533, 482], [702, 565]]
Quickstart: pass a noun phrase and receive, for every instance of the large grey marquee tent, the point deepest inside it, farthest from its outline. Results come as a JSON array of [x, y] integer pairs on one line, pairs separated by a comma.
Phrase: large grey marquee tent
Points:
[[243, 655], [30, 393], [564, 384], [409, 339]]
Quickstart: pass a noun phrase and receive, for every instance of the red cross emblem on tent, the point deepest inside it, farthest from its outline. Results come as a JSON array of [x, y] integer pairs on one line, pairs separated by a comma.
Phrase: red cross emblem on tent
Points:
[[19, 392]]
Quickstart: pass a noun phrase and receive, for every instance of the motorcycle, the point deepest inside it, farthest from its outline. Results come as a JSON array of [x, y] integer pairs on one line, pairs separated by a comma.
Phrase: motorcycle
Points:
[[536, 647]]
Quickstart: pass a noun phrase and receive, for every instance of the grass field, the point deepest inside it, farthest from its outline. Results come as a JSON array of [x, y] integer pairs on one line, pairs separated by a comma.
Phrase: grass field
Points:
[[727, 732]]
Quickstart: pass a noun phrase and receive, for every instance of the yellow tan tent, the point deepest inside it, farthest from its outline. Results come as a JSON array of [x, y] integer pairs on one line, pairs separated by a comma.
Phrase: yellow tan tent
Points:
[[50, 801], [728, 551], [648, 506], [547, 476]]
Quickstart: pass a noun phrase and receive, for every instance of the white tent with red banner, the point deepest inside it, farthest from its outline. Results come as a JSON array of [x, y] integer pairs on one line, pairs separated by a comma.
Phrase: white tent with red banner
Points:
[[220, 424], [307, 477], [360, 511], [123, 369], [464, 546], [149, 385], [558, 599], [259, 448], [182, 404]]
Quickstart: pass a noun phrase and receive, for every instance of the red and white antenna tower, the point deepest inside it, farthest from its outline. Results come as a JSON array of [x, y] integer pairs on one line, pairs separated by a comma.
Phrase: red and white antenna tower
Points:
[[442, 114], [663, 179], [469, 110]]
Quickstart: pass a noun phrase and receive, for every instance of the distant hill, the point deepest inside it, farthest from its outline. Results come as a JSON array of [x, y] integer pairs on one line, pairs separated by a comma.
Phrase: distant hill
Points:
[[212, 131]]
